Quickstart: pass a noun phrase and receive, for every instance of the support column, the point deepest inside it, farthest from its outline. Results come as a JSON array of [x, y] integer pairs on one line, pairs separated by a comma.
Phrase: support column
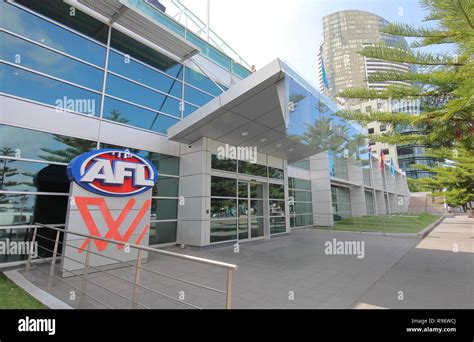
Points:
[[194, 187], [321, 190], [356, 191]]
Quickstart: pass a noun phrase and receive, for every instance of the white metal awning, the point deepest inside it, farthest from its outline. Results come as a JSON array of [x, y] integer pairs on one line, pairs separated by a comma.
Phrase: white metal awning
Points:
[[251, 113], [129, 20]]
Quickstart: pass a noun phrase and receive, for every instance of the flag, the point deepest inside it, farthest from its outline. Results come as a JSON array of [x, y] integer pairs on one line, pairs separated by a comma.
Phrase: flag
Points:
[[382, 161], [392, 167], [323, 72]]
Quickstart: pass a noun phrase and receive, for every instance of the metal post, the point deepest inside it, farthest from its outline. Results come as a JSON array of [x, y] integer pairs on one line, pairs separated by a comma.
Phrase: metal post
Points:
[[137, 279], [33, 240], [228, 304], [208, 19], [86, 270], [53, 261]]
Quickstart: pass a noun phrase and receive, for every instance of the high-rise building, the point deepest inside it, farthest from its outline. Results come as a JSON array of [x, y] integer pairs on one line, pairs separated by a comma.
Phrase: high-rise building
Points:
[[345, 33], [341, 67]]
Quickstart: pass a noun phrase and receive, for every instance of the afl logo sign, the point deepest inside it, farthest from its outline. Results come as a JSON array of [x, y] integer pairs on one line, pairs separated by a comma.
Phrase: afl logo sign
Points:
[[113, 173]]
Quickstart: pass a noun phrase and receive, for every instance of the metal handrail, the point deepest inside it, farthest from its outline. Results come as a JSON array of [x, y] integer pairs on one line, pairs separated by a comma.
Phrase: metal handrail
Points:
[[138, 268], [144, 248]]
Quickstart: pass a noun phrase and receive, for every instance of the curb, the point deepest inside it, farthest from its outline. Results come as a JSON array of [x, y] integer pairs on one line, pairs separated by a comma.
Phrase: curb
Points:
[[419, 235], [34, 291], [432, 226]]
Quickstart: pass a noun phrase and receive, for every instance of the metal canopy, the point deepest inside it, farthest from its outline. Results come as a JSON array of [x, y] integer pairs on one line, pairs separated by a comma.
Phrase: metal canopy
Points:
[[124, 17], [251, 113]]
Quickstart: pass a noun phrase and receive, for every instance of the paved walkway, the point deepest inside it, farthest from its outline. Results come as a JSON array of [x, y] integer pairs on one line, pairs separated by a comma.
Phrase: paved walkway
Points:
[[293, 271], [437, 274]]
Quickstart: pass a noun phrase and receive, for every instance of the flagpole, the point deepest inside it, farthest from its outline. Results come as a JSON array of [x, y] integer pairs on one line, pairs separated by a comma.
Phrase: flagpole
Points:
[[373, 184], [386, 190]]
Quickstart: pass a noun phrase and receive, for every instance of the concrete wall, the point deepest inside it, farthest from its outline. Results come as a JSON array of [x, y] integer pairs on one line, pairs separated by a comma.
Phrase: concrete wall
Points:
[[357, 194], [423, 202], [194, 187], [321, 190], [381, 207]]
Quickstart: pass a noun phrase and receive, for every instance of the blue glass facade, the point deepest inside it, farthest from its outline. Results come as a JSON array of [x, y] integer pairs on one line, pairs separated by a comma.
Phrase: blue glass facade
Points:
[[311, 120], [57, 62], [47, 59]]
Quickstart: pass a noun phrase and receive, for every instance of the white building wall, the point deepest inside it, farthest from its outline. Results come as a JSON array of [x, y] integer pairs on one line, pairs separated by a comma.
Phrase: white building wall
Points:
[[194, 187], [321, 190], [357, 194]]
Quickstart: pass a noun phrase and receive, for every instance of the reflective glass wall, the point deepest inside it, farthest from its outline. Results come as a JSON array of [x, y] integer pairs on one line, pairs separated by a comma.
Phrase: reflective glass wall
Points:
[[341, 202], [62, 58], [311, 120], [237, 206], [54, 59], [301, 208], [34, 185]]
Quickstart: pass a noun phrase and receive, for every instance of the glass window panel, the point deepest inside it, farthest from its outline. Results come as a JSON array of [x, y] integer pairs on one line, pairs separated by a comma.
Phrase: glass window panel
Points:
[[25, 143], [166, 187], [243, 229], [275, 173], [243, 208], [301, 184], [341, 201], [41, 31], [256, 207], [135, 93], [189, 109], [304, 196], [19, 234], [223, 187], [277, 225], [164, 209], [128, 114], [143, 53], [223, 164], [219, 57], [243, 190], [223, 230], [19, 209], [223, 208], [168, 165], [49, 62], [252, 169], [256, 190], [303, 164], [277, 208], [202, 82], [48, 91], [276, 191], [18, 175], [301, 220], [257, 228], [61, 12], [240, 71], [162, 232], [195, 96], [302, 208], [127, 67]]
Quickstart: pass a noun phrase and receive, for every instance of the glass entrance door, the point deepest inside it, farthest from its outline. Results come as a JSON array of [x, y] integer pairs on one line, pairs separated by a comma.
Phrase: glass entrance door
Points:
[[251, 201]]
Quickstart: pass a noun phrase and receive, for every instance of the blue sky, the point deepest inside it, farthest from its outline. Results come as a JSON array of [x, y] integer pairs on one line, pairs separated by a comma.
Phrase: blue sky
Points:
[[262, 30]]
